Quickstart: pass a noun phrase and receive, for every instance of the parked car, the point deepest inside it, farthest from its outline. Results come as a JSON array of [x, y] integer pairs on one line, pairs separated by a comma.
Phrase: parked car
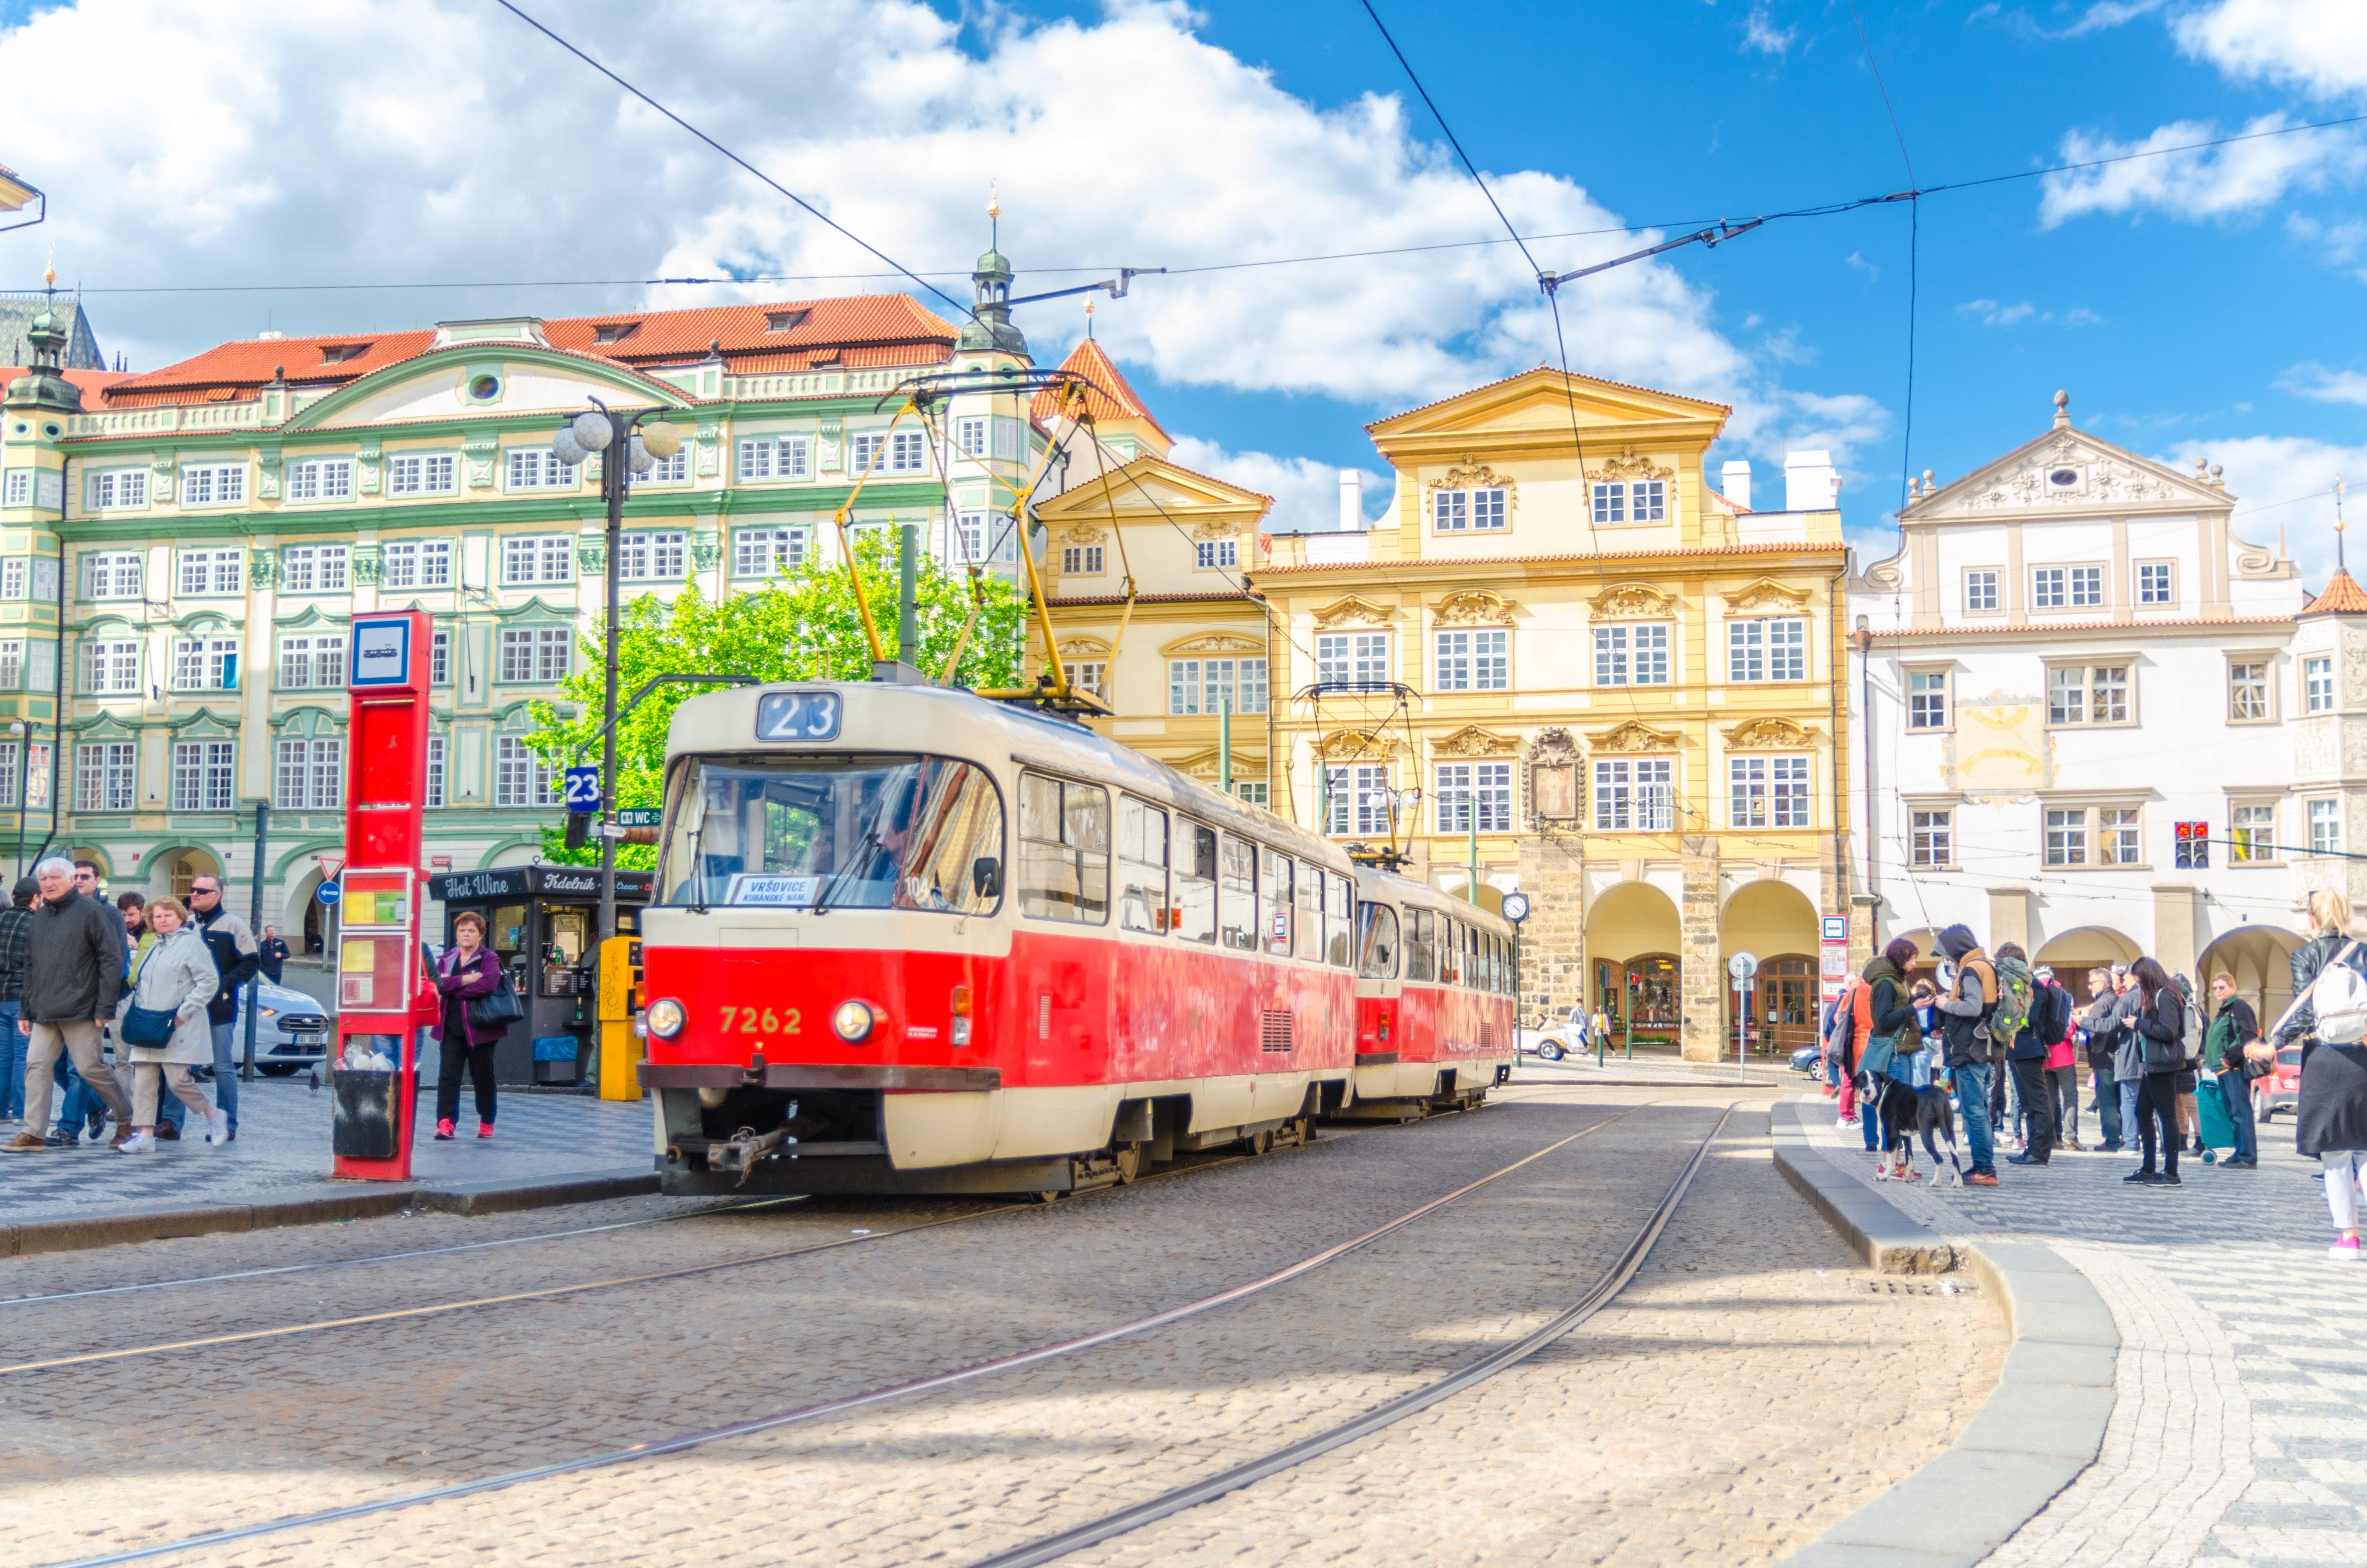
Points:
[[2281, 1090], [1561, 1037], [1809, 1061], [291, 1031]]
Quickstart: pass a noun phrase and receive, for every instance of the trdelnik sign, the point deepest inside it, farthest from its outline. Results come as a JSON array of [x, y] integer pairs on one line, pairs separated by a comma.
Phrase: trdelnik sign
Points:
[[507, 883]]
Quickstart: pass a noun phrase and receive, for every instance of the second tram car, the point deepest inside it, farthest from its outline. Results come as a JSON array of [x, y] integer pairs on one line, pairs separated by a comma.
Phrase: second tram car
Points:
[[1434, 999], [906, 940]]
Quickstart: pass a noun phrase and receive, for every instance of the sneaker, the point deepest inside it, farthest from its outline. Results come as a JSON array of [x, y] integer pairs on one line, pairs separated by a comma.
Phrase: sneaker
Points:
[[2345, 1250], [443, 1130], [2025, 1159], [137, 1143], [168, 1134], [1844, 1121], [122, 1136], [1980, 1179], [218, 1129], [25, 1144], [2141, 1177], [2071, 1144], [2169, 1178], [94, 1134], [484, 1129], [60, 1140], [2239, 1165]]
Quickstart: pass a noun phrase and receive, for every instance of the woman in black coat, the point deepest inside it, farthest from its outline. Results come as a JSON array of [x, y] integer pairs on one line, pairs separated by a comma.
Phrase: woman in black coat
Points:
[[1888, 1011], [2161, 1018], [2331, 1120]]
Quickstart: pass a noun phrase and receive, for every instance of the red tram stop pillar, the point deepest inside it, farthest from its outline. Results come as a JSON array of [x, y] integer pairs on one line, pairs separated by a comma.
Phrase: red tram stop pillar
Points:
[[383, 993]]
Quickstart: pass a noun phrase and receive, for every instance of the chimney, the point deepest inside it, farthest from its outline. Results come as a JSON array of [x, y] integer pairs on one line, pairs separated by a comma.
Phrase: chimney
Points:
[[1738, 482], [1352, 500], [1809, 482]]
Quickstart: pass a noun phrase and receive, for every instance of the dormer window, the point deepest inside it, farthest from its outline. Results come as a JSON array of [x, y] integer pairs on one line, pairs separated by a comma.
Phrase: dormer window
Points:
[[614, 332], [785, 321], [338, 353]]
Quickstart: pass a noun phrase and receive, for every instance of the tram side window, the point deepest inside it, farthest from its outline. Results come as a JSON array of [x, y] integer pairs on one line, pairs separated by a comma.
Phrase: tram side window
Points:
[[1450, 953], [1308, 883], [1339, 920], [1142, 903], [1421, 951], [1195, 882], [1237, 892], [1063, 850], [1273, 901], [1380, 942]]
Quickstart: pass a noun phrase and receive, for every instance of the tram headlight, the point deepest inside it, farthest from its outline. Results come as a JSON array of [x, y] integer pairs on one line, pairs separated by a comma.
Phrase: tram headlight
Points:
[[852, 1021], [666, 1017]]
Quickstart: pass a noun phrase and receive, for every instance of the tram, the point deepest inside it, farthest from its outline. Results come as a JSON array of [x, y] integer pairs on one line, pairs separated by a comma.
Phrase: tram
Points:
[[906, 940], [1435, 1000]]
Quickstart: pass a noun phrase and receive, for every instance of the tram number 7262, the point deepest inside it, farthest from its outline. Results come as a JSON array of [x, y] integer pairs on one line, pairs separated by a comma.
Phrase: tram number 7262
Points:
[[755, 1021]]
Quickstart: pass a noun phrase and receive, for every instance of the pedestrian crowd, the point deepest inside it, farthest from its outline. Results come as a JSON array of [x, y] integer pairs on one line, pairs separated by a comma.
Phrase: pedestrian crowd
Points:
[[2000, 1046]]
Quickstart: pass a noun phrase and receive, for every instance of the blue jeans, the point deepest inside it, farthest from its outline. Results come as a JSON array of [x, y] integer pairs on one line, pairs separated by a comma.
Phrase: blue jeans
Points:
[[2108, 1110], [1973, 1100], [2130, 1089], [225, 1084], [13, 1048], [78, 1104], [2238, 1091]]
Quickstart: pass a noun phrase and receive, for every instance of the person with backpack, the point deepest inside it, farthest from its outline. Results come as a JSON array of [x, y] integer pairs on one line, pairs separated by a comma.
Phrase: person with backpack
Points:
[[1880, 1008], [2190, 1105], [1972, 1054], [2050, 1015], [2159, 1029], [2018, 999], [2233, 1026], [2100, 1039], [1838, 1027], [2330, 1120]]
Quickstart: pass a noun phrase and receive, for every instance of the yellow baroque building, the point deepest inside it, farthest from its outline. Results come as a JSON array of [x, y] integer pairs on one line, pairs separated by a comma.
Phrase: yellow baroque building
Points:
[[1561, 660]]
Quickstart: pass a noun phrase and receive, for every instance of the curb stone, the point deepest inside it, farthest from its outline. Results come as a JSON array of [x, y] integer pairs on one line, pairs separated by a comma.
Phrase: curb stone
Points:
[[2043, 1423], [111, 1229]]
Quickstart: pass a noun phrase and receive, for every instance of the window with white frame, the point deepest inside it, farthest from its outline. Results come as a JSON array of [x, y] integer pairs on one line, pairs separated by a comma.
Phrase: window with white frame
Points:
[[116, 489], [1932, 837], [2252, 832], [439, 657], [2049, 588], [421, 473], [309, 775], [1767, 791], [2326, 827], [107, 775], [312, 662], [2087, 587], [2248, 691], [536, 653], [12, 663], [1634, 795], [205, 663], [1352, 660], [2066, 836], [2118, 841], [41, 666], [12, 578], [1205, 685], [202, 774], [968, 537], [1637, 500], [314, 568], [416, 563], [1479, 510], [1927, 699], [523, 776], [538, 558], [664, 470], [908, 452], [1090, 676], [1465, 789], [969, 437], [537, 468], [654, 557], [319, 478], [212, 572], [2088, 694], [111, 575], [1475, 662], [1980, 590], [1080, 560], [2317, 684], [110, 667], [1767, 651], [1356, 799], [756, 458], [767, 552], [1631, 655], [19, 491], [33, 767], [2157, 583], [865, 451], [46, 570], [438, 784], [1252, 792], [213, 484], [794, 460], [1216, 555]]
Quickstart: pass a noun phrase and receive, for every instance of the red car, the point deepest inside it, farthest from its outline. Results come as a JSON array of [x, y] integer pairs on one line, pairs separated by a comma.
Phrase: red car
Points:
[[2281, 1090]]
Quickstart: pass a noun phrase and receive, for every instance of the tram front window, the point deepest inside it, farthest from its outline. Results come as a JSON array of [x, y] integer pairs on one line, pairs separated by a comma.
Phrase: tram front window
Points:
[[861, 832]]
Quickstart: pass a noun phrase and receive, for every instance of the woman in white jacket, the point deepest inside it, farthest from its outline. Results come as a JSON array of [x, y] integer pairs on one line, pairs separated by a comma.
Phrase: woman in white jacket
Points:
[[176, 976]]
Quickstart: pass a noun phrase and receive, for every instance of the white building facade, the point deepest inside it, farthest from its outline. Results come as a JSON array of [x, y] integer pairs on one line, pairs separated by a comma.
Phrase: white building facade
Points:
[[2094, 721]]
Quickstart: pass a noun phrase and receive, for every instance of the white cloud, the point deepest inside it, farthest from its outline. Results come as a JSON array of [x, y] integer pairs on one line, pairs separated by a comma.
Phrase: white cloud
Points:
[[2315, 382], [1991, 314], [2319, 46], [1759, 33], [2221, 182], [280, 141], [2283, 488], [1857, 263], [1306, 492]]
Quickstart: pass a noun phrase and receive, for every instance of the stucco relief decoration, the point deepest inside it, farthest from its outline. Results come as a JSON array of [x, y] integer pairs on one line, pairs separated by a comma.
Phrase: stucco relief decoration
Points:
[[1473, 606], [1768, 735], [1764, 595], [366, 565], [1084, 647], [706, 552], [1633, 736], [1627, 465], [1999, 748], [1352, 611], [1083, 535], [1357, 745], [266, 478], [262, 567], [1472, 741], [1553, 778], [2313, 751], [1215, 528], [1629, 601], [1473, 474], [1213, 642], [2070, 473]]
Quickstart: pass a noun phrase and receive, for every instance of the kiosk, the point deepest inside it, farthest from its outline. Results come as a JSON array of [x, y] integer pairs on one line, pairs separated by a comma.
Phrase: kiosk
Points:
[[544, 922]]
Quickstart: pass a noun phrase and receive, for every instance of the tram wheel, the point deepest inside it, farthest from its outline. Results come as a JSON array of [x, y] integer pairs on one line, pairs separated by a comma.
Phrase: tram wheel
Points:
[[1258, 1142], [1129, 1163]]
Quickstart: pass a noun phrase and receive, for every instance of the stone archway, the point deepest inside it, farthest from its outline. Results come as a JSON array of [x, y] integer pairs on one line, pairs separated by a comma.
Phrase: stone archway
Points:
[[178, 867], [2072, 954], [1775, 923], [2259, 958], [1632, 942]]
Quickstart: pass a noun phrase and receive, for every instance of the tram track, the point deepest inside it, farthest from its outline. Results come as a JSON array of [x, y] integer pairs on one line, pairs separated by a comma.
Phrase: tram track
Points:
[[660, 1448]]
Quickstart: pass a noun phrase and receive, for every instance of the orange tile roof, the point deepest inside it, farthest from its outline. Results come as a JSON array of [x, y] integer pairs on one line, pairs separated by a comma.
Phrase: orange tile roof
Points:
[[2343, 596], [1108, 395], [866, 331], [90, 381]]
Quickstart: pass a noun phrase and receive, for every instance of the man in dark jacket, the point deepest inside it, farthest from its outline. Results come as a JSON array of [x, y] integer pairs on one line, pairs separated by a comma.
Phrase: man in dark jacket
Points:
[[2233, 1025], [2100, 1021], [1971, 1057], [237, 956], [2026, 1059], [2128, 1052], [275, 953], [73, 974]]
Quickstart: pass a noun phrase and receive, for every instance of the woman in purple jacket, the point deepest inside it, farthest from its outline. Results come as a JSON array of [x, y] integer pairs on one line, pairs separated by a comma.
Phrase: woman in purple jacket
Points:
[[471, 972]]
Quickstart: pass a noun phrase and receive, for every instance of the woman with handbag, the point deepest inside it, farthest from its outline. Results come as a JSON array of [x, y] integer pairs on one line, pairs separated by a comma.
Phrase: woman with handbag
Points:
[[2330, 1120], [161, 1027], [2161, 1020], [478, 1009]]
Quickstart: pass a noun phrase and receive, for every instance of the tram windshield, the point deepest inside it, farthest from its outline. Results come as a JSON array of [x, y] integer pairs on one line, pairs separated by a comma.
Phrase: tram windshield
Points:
[[892, 832]]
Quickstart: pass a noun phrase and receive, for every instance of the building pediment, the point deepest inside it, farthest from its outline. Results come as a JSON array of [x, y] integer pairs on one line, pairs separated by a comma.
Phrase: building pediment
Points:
[[1629, 465], [1151, 488], [1475, 740], [1633, 736], [1764, 596], [1768, 735], [1629, 601], [1082, 534], [1367, 744], [1354, 611], [1084, 647], [492, 381], [1535, 402], [2068, 471], [1212, 642], [1208, 766], [1473, 607]]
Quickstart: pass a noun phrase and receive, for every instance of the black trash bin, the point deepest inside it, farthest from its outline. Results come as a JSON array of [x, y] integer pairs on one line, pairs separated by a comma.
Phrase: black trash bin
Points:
[[365, 1125]]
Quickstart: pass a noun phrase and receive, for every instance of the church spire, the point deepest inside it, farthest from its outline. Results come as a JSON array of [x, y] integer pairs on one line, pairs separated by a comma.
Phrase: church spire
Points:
[[990, 329]]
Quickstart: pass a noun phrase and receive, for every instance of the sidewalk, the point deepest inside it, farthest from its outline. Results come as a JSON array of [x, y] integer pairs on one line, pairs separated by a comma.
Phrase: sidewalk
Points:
[[2238, 1431], [282, 1156], [1657, 1069]]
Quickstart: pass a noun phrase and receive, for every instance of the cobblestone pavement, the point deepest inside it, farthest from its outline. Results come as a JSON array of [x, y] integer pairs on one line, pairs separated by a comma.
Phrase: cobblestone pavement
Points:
[[283, 1152], [243, 1433], [2239, 1436]]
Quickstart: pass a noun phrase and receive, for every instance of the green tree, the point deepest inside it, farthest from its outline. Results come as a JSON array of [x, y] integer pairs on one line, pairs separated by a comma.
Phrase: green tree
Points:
[[801, 627]]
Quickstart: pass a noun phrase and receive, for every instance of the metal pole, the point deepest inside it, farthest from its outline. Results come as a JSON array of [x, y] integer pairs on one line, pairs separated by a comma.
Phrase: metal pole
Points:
[[1224, 744], [612, 486], [908, 588], [254, 923], [1471, 816]]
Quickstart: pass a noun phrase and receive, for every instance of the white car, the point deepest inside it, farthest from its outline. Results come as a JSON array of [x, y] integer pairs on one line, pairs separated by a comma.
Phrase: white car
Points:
[[1562, 1037]]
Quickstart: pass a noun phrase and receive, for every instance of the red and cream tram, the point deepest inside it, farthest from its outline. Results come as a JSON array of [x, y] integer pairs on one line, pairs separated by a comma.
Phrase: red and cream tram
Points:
[[1434, 999], [906, 940]]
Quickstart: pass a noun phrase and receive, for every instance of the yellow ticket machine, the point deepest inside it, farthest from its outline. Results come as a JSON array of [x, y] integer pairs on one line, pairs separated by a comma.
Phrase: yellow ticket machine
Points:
[[620, 996]]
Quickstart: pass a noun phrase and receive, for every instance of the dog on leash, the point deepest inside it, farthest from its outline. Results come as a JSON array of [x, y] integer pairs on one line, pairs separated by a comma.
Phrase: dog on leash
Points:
[[1935, 1119]]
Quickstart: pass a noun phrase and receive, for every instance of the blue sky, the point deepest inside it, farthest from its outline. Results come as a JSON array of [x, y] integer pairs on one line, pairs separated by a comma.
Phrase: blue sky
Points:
[[2189, 304]]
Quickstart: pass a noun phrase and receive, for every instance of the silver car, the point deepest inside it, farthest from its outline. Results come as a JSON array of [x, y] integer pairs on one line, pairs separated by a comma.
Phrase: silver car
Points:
[[291, 1031]]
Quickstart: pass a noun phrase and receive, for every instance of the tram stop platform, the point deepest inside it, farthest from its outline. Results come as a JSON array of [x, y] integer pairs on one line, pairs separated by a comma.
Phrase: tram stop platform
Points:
[[551, 1147]]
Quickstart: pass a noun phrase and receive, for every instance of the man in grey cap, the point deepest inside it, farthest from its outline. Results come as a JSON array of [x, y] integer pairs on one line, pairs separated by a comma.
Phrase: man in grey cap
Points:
[[74, 976]]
